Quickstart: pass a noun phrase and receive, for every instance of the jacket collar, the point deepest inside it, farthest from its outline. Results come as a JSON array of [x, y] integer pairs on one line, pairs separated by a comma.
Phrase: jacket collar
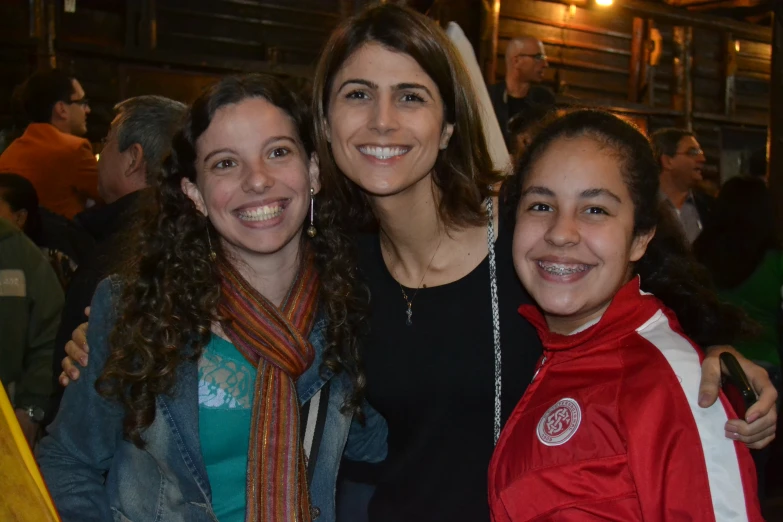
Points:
[[629, 309], [103, 221], [180, 407]]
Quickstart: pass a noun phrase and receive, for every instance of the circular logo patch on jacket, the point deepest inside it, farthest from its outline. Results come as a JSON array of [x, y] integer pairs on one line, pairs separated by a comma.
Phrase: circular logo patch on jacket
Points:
[[560, 422]]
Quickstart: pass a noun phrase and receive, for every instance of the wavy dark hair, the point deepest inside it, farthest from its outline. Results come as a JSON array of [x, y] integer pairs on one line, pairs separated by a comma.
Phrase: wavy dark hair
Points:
[[463, 172], [740, 232], [171, 289], [668, 269]]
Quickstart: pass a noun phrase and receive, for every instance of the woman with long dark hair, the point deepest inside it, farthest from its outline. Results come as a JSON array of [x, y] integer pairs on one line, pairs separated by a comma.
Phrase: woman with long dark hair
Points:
[[742, 250], [204, 348], [447, 357], [610, 428]]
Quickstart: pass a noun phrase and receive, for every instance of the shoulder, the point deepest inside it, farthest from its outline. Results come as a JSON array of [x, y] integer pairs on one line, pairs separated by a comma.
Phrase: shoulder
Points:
[[18, 251], [541, 95], [496, 90], [703, 200], [106, 297], [61, 142]]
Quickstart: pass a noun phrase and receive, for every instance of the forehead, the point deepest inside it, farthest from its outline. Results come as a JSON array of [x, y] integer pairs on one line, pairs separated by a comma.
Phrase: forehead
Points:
[[687, 142], [249, 122], [529, 46], [383, 66], [572, 165]]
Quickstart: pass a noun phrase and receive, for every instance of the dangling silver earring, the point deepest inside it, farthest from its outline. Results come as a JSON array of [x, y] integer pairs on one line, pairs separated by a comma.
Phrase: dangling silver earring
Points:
[[212, 254], [311, 231]]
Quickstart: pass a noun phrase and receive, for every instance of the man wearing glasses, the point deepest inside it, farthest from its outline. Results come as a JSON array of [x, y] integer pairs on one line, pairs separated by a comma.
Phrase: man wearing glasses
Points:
[[51, 154], [682, 160], [525, 66]]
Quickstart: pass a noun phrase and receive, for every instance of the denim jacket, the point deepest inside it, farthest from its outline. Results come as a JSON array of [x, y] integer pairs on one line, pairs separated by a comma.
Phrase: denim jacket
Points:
[[95, 474]]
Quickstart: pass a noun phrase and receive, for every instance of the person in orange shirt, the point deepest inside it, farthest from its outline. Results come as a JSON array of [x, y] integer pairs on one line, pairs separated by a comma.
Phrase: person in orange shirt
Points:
[[51, 153]]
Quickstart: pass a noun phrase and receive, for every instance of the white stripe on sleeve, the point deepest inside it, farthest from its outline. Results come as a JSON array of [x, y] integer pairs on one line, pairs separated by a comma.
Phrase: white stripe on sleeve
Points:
[[726, 490]]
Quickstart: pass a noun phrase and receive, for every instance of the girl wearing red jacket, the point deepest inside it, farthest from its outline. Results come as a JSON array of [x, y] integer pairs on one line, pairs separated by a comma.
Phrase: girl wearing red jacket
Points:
[[609, 429]]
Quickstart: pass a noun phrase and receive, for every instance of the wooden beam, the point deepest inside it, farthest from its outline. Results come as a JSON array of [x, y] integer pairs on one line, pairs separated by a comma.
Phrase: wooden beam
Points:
[[650, 54], [673, 15], [715, 4], [635, 63], [189, 61], [775, 135], [679, 59], [729, 74], [491, 30]]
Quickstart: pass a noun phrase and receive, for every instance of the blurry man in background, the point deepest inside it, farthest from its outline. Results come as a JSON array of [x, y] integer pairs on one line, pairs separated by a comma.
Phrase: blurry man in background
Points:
[[525, 65], [50, 153], [682, 161]]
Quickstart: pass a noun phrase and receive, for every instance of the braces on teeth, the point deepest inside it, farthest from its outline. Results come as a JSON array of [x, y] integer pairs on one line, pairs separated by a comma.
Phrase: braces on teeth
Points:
[[561, 270]]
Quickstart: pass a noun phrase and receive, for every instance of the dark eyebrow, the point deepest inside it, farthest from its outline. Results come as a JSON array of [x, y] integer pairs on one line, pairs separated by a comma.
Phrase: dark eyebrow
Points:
[[280, 138], [537, 190], [366, 83], [598, 192], [216, 152], [397, 87], [265, 144], [402, 86]]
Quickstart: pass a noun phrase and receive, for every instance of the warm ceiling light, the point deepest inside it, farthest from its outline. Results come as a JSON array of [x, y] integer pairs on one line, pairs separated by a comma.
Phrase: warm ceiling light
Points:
[[603, 2], [737, 45]]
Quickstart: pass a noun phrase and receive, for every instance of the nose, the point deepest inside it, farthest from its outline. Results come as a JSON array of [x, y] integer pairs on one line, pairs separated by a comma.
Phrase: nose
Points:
[[257, 179], [384, 116], [563, 230]]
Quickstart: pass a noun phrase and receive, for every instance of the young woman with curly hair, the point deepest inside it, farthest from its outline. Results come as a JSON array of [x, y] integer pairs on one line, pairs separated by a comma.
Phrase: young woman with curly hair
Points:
[[610, 428], [203, 350]]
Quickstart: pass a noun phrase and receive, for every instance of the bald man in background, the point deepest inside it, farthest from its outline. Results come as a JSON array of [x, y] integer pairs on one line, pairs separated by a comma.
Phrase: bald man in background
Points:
[[525, 66]]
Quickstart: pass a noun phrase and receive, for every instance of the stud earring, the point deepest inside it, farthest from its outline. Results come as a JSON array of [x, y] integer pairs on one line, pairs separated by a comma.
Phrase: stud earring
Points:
[[311, 231]]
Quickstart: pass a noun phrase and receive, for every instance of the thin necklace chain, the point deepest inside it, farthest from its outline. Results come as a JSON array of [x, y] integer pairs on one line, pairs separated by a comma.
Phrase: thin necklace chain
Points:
[[493, 292], [409, 302]]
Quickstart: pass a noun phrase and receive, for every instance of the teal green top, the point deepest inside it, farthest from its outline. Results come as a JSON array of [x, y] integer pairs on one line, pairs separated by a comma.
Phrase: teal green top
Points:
[[760, 297], [225, 399]]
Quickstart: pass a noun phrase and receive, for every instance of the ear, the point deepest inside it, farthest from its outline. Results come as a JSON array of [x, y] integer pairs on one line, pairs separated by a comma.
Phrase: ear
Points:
[[445, 136], [138, 164], [666, 162], [639, 245], [20, 216], [60, 111], [327, 130], [191, 190], [314, 170]]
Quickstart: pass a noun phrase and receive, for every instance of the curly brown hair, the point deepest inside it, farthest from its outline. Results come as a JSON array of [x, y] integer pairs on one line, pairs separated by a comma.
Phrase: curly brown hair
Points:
[[171, 287]]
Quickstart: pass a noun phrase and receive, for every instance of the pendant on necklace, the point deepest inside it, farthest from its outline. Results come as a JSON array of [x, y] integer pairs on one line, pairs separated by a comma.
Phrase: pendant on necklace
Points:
[[409, 313]]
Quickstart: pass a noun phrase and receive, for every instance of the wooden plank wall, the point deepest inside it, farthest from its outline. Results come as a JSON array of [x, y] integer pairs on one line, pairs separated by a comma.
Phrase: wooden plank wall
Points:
[[123, 48], [592, 60]]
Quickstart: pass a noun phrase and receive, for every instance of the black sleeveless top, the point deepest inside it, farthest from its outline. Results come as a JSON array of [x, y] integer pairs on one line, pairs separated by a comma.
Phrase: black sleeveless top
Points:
[[433, 381]]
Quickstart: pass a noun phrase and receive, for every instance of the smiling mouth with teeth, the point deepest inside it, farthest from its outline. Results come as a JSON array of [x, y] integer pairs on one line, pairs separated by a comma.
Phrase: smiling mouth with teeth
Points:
[[261, 213], [383, 153], [560, 269]]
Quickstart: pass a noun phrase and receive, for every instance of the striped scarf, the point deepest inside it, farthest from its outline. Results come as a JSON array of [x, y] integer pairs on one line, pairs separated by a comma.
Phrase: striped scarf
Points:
[[276, 342]]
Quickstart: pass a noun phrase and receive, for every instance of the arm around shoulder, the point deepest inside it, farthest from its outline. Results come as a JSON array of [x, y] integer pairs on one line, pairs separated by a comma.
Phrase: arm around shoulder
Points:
[[83, 438]]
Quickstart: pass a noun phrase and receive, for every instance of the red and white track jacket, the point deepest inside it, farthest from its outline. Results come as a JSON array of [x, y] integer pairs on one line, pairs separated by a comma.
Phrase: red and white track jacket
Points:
[[610, 429]]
